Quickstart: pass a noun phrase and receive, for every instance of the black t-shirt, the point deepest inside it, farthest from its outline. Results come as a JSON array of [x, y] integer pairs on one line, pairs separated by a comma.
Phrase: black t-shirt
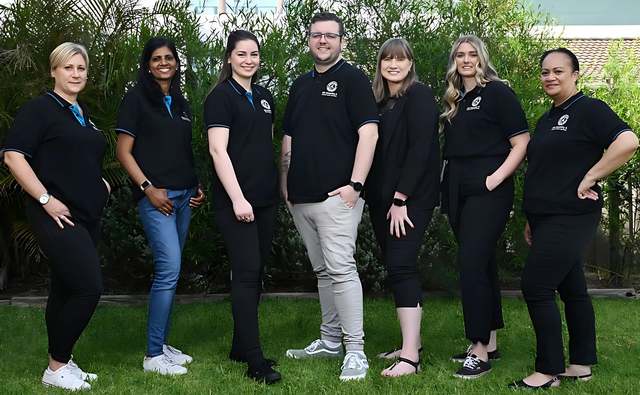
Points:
[[65, 155], [162, 146], [250, 145], [323, 115], [569, 140], [486, 119]]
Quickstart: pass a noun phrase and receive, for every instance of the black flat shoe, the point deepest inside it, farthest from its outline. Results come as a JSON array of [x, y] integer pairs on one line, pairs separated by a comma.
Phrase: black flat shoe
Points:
[[584, 377], [265, 374], [522, 384]]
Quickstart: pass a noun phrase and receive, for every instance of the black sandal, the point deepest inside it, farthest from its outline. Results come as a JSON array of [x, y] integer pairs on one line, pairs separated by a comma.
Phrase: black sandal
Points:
[[415, 364], [584, 377], [386, 354]]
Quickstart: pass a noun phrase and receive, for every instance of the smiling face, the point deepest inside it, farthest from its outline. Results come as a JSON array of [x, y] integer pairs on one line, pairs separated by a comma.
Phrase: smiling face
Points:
[[71, 76], [466, 60], [395, 69], [558, 77], [162, 64], [244, 59], [325, 50]]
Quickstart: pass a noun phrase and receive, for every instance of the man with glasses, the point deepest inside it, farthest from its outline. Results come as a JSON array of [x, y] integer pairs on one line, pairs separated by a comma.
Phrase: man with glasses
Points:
[[330, 133]]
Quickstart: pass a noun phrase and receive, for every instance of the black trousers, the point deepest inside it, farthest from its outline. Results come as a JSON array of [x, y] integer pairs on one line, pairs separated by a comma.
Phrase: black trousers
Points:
[[248, 246], [401, 254], [554, 264], [478, 217], [76, 279]]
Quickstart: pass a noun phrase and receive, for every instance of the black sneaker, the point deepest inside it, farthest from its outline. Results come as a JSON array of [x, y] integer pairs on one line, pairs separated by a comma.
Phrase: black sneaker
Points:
[[473, 367], [493, 355]]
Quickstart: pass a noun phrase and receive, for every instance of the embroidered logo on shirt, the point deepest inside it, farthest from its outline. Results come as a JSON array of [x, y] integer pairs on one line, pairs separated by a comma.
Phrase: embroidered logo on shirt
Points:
[[475, 104], [185, 117], [563, 119], [266, 106], [94, 126], [332, 87]]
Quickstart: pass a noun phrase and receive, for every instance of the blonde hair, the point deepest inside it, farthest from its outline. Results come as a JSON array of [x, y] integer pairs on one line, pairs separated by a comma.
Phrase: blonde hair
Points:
[[485, 72], [393, 48], [64, 52]]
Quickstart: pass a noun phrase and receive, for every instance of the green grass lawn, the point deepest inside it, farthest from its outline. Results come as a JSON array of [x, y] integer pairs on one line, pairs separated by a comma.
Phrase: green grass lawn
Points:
[[113, 346]]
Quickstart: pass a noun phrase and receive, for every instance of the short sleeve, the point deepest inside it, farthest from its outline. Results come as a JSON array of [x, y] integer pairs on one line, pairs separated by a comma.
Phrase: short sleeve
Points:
[[287, 126], [509, 113], [361, 103], [127, 121], [604, 125], [27, 130], [217, 110]]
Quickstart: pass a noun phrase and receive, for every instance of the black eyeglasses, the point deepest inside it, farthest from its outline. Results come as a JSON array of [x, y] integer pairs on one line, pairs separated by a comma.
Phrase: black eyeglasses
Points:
[[327, 36]]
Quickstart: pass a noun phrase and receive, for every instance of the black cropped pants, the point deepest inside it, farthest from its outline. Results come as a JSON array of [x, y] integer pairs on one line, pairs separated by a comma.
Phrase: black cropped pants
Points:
[[76, 279], [401, 254], [248, 246], [554, 264]]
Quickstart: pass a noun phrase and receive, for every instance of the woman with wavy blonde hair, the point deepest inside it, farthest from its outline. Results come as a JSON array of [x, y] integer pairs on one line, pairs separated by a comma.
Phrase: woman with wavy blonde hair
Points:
[[485, 131]]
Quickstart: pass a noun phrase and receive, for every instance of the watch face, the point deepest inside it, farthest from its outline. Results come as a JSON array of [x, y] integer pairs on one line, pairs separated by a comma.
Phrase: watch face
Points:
[[357, 186], [44, 199]]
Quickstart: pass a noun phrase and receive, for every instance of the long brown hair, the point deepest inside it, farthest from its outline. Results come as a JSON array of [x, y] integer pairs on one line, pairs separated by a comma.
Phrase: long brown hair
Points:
[[485, 72], [393, 48]]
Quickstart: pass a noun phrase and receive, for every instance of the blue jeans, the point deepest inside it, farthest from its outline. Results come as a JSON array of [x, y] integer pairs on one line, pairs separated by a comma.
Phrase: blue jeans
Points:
[[166, 236]]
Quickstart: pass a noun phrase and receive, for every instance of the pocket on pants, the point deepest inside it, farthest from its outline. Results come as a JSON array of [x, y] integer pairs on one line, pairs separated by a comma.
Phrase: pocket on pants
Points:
[[342, 203]]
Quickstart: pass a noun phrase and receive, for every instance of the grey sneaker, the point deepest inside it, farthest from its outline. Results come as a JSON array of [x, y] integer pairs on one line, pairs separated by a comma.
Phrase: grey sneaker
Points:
[[317, 349], [354, 366]]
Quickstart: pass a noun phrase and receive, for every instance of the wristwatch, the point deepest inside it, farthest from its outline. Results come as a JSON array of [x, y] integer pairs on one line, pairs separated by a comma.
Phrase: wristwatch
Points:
[[399, 202], [357, 186], [145, 185], [44, 198]]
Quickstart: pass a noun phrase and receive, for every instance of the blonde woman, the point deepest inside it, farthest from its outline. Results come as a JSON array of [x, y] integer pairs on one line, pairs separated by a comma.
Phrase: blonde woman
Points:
[[402, 187], [55, 153], [485, 132]]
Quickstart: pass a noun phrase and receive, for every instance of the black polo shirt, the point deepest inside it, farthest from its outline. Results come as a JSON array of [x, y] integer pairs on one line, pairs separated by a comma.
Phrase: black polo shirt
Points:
[[65, 155], [486, 119], [249, 117], [323, 115], [569, 140], [162, 146]]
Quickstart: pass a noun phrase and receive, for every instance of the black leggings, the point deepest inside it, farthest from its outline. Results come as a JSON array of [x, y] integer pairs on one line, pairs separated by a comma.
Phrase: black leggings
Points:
[[401, 254], [554, 264], [76, 280], [248, 246], [480, 221]]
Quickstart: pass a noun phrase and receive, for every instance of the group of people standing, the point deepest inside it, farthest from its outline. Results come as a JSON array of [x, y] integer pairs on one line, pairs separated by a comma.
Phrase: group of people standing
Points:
[[343, 143]]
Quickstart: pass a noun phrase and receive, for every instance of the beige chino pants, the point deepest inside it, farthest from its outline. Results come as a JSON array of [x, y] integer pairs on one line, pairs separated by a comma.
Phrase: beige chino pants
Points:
[[329, 230]]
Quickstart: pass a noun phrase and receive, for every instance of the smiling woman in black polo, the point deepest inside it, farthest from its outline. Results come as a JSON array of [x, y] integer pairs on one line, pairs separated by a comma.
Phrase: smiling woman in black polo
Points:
[[563, 203], [485, 139], [55, 153], [154, 147], [239, 116]]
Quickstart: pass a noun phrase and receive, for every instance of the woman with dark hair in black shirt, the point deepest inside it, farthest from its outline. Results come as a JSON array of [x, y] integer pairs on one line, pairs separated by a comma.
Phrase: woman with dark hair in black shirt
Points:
[[239, 118], [55, 153], [403, 187], [485, 140], [563, 204], [154, 147]]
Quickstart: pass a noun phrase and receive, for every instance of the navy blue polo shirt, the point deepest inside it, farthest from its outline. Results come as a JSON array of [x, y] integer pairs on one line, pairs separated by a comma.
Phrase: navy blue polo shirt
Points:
[[569, 140], [249, 117], [323, 115], [486, 119], [162, 146], [65, 154]]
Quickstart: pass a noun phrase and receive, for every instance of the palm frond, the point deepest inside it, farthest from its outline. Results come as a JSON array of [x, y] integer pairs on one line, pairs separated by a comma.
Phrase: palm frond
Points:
[[24, 238]]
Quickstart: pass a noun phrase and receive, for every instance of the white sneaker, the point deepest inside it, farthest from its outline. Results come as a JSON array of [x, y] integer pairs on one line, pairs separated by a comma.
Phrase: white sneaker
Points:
[[177, 355], [354, 366], [79, 373], [63, 378], [162, 364]]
